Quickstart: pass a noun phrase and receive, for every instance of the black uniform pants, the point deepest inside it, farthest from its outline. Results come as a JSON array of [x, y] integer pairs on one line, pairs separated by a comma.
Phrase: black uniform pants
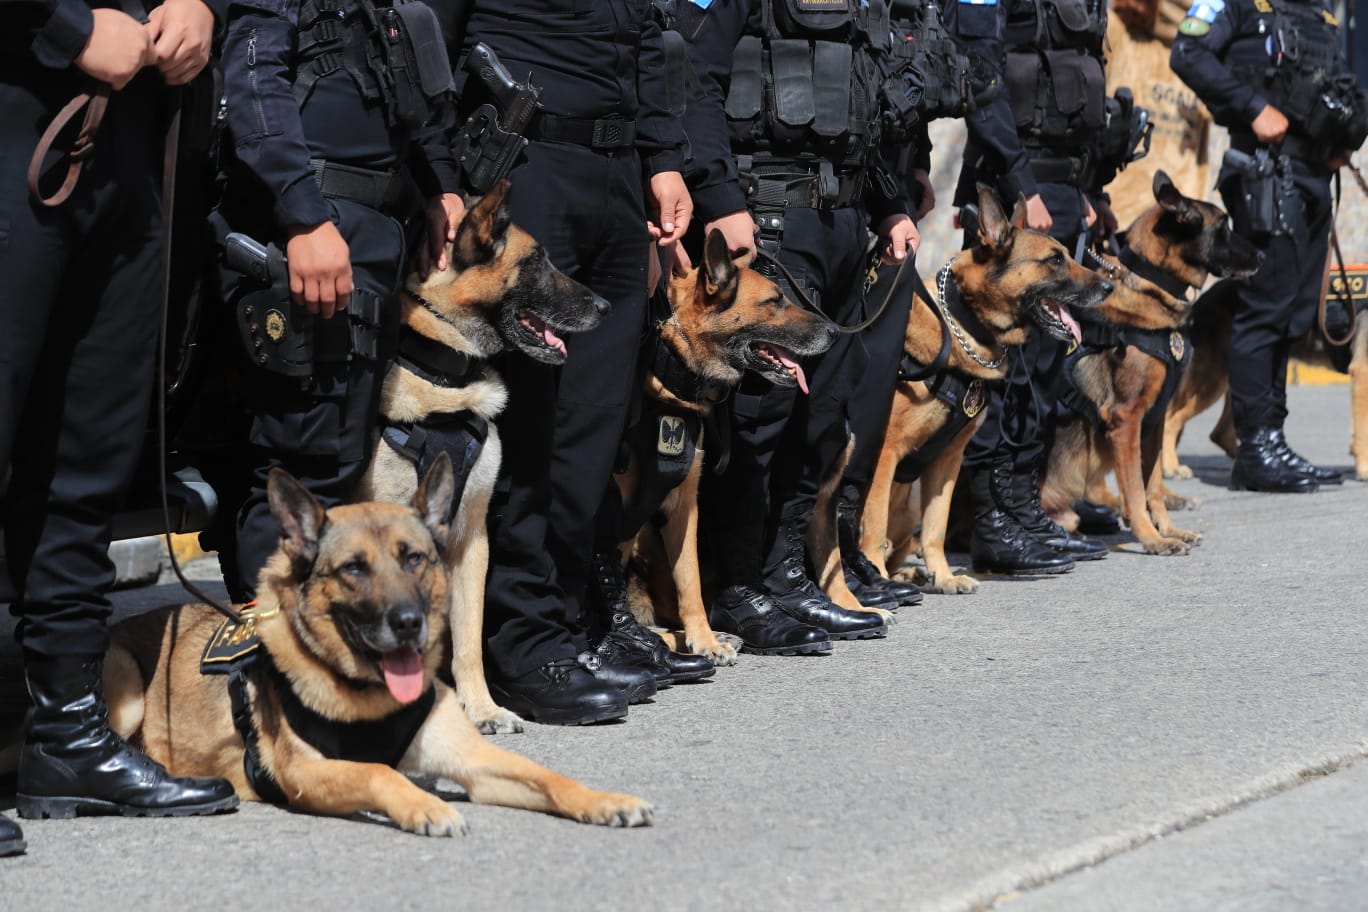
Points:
[[872, 396], [562, 425], [1022, 410], [79, 316], [784, 444], [1277, 305], [321, 432]]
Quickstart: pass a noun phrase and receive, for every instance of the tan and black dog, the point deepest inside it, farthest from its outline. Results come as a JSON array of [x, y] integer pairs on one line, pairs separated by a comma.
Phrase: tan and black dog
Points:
[[991, 295], [1120, 380], [721, 321], [329, 692], [499, 293]]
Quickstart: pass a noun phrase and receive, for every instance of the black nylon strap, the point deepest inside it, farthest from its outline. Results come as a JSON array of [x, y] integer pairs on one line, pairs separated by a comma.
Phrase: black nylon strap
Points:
[[437, 363], [604, 133], [1152, 273]]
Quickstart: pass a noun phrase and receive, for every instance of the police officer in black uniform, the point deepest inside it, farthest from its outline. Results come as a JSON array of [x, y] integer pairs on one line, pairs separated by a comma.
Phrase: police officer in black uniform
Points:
[[80, 313], [1273, 73], [604, 157], [785, 136], [327, 114], [1029, 142]]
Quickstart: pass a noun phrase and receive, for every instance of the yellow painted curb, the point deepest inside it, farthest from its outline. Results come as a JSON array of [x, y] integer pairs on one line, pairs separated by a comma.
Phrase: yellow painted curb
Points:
[[1299, 373], [187, 547]]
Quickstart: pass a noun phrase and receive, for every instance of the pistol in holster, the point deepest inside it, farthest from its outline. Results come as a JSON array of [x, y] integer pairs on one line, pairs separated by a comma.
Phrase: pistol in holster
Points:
[[489, 143], [277, 333], [1264, 191]]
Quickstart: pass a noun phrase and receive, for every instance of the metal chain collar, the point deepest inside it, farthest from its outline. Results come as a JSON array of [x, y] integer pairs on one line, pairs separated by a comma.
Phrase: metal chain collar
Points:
[[955, 327]]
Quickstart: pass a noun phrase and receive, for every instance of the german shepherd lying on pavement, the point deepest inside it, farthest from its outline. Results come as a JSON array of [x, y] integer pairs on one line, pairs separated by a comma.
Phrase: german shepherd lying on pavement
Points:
[[721, 321], [1133, 353], [1010, 280], [331, 692], [499, 293]]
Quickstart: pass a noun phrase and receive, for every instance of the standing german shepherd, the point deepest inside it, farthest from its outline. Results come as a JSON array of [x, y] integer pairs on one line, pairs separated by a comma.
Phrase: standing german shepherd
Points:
[[331, 694], [722, 321], [1011, 280], [1125, 374], [499, 293]]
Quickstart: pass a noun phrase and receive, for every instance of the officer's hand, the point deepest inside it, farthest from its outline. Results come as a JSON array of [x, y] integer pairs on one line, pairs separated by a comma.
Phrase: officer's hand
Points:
[[1107, 223], [739, 230], [320, 268], [1089, 213], [928, 198], [183, 31], [119, 46], [1038, 218], [670, 207], [897, 235], [444, 213], [1270, 126]]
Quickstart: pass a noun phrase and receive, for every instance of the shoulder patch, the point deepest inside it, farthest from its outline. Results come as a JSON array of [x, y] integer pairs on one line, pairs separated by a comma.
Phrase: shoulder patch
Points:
[[231, 644], [1193, 28], [1263, 6]]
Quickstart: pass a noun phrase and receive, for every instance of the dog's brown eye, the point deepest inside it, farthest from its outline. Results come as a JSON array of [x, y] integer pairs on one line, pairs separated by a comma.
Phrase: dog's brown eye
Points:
[[356, 567], [414, 558]]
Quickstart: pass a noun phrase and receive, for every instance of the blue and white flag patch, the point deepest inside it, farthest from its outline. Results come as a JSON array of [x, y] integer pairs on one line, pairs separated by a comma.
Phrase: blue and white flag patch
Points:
[[1206, 10]]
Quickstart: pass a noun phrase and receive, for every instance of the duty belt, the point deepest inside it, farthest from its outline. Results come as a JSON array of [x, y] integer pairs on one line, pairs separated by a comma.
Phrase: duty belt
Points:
[[1055, 170], [376, 189], [776, 184], [603, 133]]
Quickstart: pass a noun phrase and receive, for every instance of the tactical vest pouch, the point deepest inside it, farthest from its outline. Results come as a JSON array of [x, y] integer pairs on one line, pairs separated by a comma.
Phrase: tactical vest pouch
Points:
[[424, 34], [791, 70], [1255, 208], [747, 84], [1059, 95], [831, 68], [812, 17]]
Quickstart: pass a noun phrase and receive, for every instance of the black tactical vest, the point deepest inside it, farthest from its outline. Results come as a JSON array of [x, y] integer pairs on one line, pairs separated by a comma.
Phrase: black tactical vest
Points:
[[394, 53], [1054, 71], [931, 75], [809, 81], [1294, 58]]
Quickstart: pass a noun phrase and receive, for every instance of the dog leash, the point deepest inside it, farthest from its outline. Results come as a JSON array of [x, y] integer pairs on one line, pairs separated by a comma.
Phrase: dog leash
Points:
[[807, 302], [1345, 296], [94, 101]]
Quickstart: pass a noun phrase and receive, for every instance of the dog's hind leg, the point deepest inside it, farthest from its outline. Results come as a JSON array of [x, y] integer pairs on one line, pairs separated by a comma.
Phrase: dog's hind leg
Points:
[[1223, 434], [904, 524], [680, 537], [824, 547], [1358, 397], [447, 745], [125, 692]]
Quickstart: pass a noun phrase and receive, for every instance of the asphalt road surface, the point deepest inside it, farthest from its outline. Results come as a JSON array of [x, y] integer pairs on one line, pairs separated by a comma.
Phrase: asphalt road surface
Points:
[[1144, 733]]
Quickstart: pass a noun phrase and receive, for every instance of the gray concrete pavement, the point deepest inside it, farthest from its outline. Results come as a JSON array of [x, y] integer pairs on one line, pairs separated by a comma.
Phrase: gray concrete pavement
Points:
[[992, 743]]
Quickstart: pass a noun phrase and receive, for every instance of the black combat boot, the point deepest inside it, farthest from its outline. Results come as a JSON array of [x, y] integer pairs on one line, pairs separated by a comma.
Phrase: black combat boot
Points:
[[1095, 519], [999, 544], [1020, 492], [870, 587], [73, 763], [764, 627], [565, 692], [798, 595], [1259, 467], [11, 838], [624, 636], [1300, 464]]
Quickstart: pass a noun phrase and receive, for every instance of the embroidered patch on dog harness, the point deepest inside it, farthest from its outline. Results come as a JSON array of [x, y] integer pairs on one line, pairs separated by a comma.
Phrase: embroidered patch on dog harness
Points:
[[1177, 345], [670, 439], [975, 398], [230, 645]]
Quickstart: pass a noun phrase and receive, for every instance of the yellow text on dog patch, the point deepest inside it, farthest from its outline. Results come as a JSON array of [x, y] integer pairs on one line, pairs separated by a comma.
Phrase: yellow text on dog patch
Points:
[[230, 643]]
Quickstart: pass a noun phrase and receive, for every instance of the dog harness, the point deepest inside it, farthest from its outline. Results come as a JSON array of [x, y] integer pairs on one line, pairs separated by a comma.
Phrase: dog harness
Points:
[[462, 434], [1169, 346], [235, 650]]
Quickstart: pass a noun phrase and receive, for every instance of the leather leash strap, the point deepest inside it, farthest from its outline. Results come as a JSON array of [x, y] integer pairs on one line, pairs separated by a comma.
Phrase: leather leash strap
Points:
[[94, 100]]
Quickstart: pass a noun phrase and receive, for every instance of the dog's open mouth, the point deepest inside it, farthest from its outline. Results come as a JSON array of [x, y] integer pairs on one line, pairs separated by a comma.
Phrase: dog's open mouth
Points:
[[1054, 317], [540, 333], [403, 671], [778, 364]]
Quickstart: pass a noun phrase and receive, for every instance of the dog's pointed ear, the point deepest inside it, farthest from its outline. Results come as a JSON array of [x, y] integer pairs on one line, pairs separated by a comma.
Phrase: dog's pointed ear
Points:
[[299, 513], [719, 272], [995, 232], [482, 232], [435, 497], [1019, 213], [1171, 199]]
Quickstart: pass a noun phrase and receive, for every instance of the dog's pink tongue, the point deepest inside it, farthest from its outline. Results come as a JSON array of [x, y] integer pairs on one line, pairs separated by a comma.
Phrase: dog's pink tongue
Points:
[[403, 670], [1068, 320], [551, 339], [795, 367]]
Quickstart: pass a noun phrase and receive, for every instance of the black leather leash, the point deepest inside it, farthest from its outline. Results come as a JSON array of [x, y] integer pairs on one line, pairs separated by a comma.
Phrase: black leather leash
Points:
[[807, 302]]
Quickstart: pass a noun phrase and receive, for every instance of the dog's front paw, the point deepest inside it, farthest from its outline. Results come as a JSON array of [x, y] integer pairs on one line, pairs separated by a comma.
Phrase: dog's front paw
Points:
[[1179, 502], [608, 809], [1183, 535], [717, 652], [431, 816], [499, 722], [952, 585], [1165, 546], [1178, 471]]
